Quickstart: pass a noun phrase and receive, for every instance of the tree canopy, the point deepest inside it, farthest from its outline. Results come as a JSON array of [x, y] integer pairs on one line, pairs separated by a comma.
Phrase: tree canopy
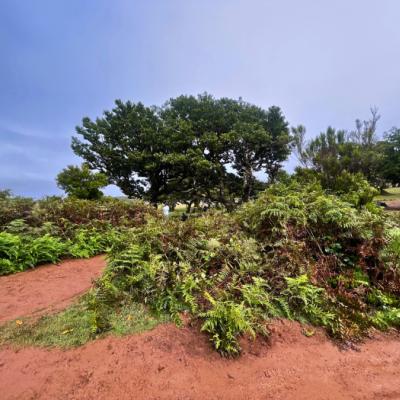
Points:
[[188, 150], [81, 182]]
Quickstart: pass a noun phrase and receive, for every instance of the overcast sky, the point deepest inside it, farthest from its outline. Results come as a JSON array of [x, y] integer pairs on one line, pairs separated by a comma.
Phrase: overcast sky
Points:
[[323, 62]]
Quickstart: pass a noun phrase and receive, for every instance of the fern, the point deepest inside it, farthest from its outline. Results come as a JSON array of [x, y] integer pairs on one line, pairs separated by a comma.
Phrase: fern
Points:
[[257, 297], [307, 302], [385, 319], [225, 321]]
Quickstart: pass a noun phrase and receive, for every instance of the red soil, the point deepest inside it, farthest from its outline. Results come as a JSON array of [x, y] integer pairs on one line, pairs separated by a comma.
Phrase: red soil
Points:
[[172, 363], [46, 288]]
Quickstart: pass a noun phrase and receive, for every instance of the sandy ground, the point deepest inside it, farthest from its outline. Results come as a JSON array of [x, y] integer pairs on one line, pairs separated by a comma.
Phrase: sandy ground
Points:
[[46, 288], [178, 363]]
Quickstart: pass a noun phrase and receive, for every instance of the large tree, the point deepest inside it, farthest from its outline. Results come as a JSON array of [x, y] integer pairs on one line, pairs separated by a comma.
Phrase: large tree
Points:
[[250, 145], [231, 134], [188, 150]]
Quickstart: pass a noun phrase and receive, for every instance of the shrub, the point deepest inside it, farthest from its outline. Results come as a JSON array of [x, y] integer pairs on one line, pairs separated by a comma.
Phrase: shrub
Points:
[[53, 227], [86, 243], [308, 302], [44, 249]]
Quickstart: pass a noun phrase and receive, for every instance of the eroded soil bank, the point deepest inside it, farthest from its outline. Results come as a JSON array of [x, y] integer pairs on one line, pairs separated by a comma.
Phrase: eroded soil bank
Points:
[[172, 363]]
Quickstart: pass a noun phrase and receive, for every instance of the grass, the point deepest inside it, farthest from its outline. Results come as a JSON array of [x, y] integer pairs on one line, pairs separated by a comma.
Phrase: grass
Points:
[[73, 327], [389, 194]]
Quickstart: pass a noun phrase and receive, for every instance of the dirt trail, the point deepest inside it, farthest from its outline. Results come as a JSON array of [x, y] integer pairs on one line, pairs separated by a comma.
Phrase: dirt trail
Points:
[[172, 363], [46, 288]]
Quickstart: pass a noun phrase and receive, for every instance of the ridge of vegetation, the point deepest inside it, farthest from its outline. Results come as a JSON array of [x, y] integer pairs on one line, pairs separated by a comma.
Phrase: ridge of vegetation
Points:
[[296, 252]]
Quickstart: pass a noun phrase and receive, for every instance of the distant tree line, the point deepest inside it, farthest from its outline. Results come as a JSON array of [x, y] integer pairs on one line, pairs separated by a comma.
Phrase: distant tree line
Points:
[[335, 153], [203, 149]]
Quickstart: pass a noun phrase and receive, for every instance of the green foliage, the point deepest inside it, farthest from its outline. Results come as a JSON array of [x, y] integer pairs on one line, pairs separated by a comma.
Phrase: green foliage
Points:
[[18, 253], [61, 212], [308, 210], [224, 321], [308, 302], [77, 211], [87, 243], [295, 252], [335, 152], [53, 228], [45, 249], [81, 182], [180, 152], [391, 252], [12, 208], [391, 161], [385, 319], [353, 188]]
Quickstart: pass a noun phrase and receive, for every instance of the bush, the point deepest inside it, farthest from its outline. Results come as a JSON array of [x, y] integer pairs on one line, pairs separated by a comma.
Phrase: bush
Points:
[[352, 188], [391, 252], [295, 252]]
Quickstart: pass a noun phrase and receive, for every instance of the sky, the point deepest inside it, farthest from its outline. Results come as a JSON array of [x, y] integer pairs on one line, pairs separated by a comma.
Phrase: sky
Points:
[[323, 62]]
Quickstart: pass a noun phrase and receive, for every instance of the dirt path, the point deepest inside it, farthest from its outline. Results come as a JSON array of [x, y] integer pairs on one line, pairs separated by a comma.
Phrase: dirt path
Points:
[[49, 287], [171, 363]]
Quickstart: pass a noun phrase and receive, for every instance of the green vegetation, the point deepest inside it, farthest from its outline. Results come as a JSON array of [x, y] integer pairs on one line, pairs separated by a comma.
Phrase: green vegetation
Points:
[[295, 252], [49, 229], [81, 182], [359, 151], [391, 161], [185, 151], [74, 326]]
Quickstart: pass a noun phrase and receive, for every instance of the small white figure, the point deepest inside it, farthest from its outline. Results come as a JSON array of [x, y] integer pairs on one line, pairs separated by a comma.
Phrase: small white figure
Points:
[[165, 210]]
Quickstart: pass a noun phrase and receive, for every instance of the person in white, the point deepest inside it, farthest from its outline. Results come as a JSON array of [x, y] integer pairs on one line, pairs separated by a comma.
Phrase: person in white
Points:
[[165, 210]]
